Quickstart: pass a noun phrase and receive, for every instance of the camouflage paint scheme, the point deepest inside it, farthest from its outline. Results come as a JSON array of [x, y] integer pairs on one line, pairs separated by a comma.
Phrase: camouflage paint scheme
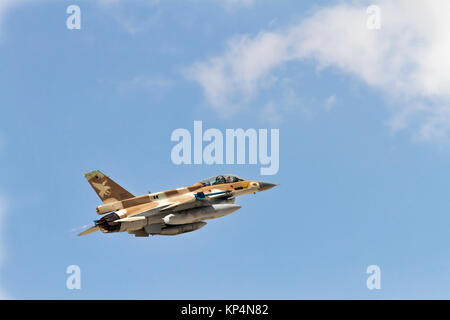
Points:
[[168, 212]]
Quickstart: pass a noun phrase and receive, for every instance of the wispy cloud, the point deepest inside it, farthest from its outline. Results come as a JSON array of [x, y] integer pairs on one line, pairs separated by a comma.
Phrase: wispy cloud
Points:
[[407, 59], [236, 76]]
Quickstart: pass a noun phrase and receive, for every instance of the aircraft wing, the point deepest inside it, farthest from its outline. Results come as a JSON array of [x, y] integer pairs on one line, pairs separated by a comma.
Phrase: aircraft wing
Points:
[[199, 199], [183, 203]]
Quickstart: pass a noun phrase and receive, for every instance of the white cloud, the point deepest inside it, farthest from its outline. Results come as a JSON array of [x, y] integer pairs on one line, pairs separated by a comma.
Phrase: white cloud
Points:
[[407, 59], [236, 76]]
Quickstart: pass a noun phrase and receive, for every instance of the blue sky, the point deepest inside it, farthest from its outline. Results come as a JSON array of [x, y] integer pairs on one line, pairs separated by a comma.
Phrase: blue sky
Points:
[[364, 158]]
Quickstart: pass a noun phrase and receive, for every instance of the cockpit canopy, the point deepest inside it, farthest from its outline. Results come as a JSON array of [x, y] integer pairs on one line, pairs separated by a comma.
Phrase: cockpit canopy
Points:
[[226, 178]]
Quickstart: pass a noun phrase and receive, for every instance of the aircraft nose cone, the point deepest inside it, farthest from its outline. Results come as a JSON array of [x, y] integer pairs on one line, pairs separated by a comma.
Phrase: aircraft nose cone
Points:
[[266, 186]]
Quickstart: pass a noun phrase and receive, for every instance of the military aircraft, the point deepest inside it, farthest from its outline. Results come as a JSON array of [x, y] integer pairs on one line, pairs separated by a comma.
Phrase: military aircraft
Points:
[[169, 212]]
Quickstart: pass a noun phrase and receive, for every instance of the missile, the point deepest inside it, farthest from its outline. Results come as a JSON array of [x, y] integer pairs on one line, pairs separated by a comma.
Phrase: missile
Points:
[[174, 230], [199, 214]]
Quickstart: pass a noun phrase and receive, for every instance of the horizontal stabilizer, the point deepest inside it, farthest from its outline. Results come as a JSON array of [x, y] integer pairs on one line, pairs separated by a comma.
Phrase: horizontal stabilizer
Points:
[[88, 231]]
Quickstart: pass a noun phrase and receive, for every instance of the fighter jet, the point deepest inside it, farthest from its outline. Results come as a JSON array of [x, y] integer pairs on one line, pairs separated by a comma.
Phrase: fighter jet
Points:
[[170, 212]]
